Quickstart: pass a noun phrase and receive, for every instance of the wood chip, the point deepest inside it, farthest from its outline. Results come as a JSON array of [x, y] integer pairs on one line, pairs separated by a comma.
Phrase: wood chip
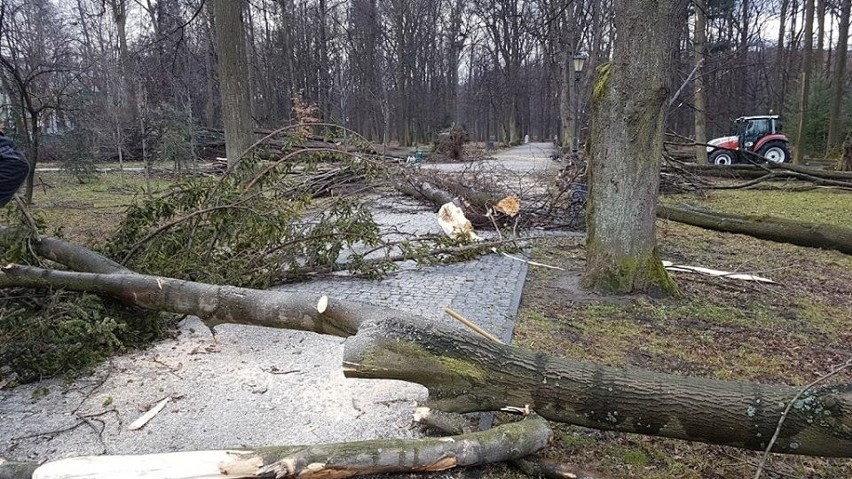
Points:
[[143, 419]]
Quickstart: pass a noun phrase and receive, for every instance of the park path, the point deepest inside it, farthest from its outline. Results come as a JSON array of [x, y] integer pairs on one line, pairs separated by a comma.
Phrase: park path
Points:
[[253, 386], [520, 160]]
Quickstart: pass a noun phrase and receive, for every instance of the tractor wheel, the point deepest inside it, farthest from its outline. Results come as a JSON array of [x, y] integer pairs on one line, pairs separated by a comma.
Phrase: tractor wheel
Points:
[[775, 152], [722, 157]]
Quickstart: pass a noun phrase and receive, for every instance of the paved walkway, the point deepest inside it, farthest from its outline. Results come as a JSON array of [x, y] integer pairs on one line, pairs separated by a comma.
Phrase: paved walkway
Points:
[[256, 386]]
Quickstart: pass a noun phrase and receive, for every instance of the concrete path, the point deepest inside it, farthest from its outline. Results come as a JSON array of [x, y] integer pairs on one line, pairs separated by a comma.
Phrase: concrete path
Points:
[[253, 386]]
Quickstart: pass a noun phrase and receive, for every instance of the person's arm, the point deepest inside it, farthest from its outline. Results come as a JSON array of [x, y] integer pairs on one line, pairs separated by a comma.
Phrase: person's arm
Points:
[[13, 170]]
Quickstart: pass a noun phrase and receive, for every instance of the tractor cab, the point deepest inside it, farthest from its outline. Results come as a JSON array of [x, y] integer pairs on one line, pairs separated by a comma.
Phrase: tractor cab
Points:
[[756, 134]]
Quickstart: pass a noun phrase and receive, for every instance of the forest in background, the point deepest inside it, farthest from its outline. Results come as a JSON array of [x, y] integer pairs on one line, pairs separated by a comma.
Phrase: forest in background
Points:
[[137, 79]]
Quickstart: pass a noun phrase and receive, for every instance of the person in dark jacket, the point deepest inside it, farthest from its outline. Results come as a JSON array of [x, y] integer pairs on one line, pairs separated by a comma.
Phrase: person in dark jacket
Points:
[[13, 169]]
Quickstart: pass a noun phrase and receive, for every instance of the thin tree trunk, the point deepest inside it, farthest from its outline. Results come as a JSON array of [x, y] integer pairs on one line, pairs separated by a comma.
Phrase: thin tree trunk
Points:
[[781, 79], [699, 95], [835, 121], [820, 36], [327, 461], [805, 92], [119, 12]]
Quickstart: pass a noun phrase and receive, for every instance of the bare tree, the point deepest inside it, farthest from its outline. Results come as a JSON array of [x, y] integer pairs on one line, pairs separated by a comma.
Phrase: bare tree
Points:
[[39, 70]]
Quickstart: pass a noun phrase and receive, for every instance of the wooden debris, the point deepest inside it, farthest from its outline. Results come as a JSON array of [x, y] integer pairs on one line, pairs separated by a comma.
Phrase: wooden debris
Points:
[[143, 419], [714, 272]]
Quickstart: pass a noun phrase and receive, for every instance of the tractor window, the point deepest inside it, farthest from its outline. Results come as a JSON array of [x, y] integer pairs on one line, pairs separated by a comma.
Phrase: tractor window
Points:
[[759, 127]]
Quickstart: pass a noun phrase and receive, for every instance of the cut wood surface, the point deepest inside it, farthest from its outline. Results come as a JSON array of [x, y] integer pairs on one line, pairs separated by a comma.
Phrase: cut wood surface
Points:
[[815, 235]]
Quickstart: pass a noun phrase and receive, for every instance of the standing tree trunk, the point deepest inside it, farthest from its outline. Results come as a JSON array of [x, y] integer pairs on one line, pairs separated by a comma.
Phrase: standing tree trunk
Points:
[[781, 80], [128, 87], [820, 37], [628, 120], [804, 94], [846, 154], [835, 122], [234, 87], [209, 55], [566, 114], [699, 99]]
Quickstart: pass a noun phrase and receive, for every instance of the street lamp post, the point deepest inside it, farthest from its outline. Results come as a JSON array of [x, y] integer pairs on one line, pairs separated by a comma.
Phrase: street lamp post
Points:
[[579, 62]]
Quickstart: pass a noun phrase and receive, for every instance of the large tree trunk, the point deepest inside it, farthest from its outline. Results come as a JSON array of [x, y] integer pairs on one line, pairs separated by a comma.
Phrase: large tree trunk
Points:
[[325, 461], [699, 96], [782, 230], [628, 120], [465, 373], [234, 86]]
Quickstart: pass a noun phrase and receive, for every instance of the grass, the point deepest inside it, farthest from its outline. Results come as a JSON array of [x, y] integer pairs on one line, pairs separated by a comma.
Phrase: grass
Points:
[[87, 212], [816, 206], [787, 333], [46, 333]]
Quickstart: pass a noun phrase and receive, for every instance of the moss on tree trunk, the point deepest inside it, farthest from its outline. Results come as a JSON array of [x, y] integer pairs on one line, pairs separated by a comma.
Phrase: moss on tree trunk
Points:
[[628, 118]]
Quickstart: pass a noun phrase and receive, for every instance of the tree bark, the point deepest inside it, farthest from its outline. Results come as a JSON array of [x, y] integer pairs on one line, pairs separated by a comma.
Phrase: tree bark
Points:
[[533, 466], [466, 373], [845, 163], [128, 85], [835, 119], [628, 120], [805, 92], [234, 85], [325, 461], [781, 79], [699, 96], [771, 228]]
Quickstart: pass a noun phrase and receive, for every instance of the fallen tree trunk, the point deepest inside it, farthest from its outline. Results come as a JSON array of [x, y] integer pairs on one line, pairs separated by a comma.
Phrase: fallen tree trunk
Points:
[[771, 228], [465, 373], [535, 466], [474, 203], [326, 461], [757, 171]]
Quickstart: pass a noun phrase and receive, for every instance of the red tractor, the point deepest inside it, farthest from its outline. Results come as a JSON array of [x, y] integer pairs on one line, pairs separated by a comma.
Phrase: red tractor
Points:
[[757, 134]]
